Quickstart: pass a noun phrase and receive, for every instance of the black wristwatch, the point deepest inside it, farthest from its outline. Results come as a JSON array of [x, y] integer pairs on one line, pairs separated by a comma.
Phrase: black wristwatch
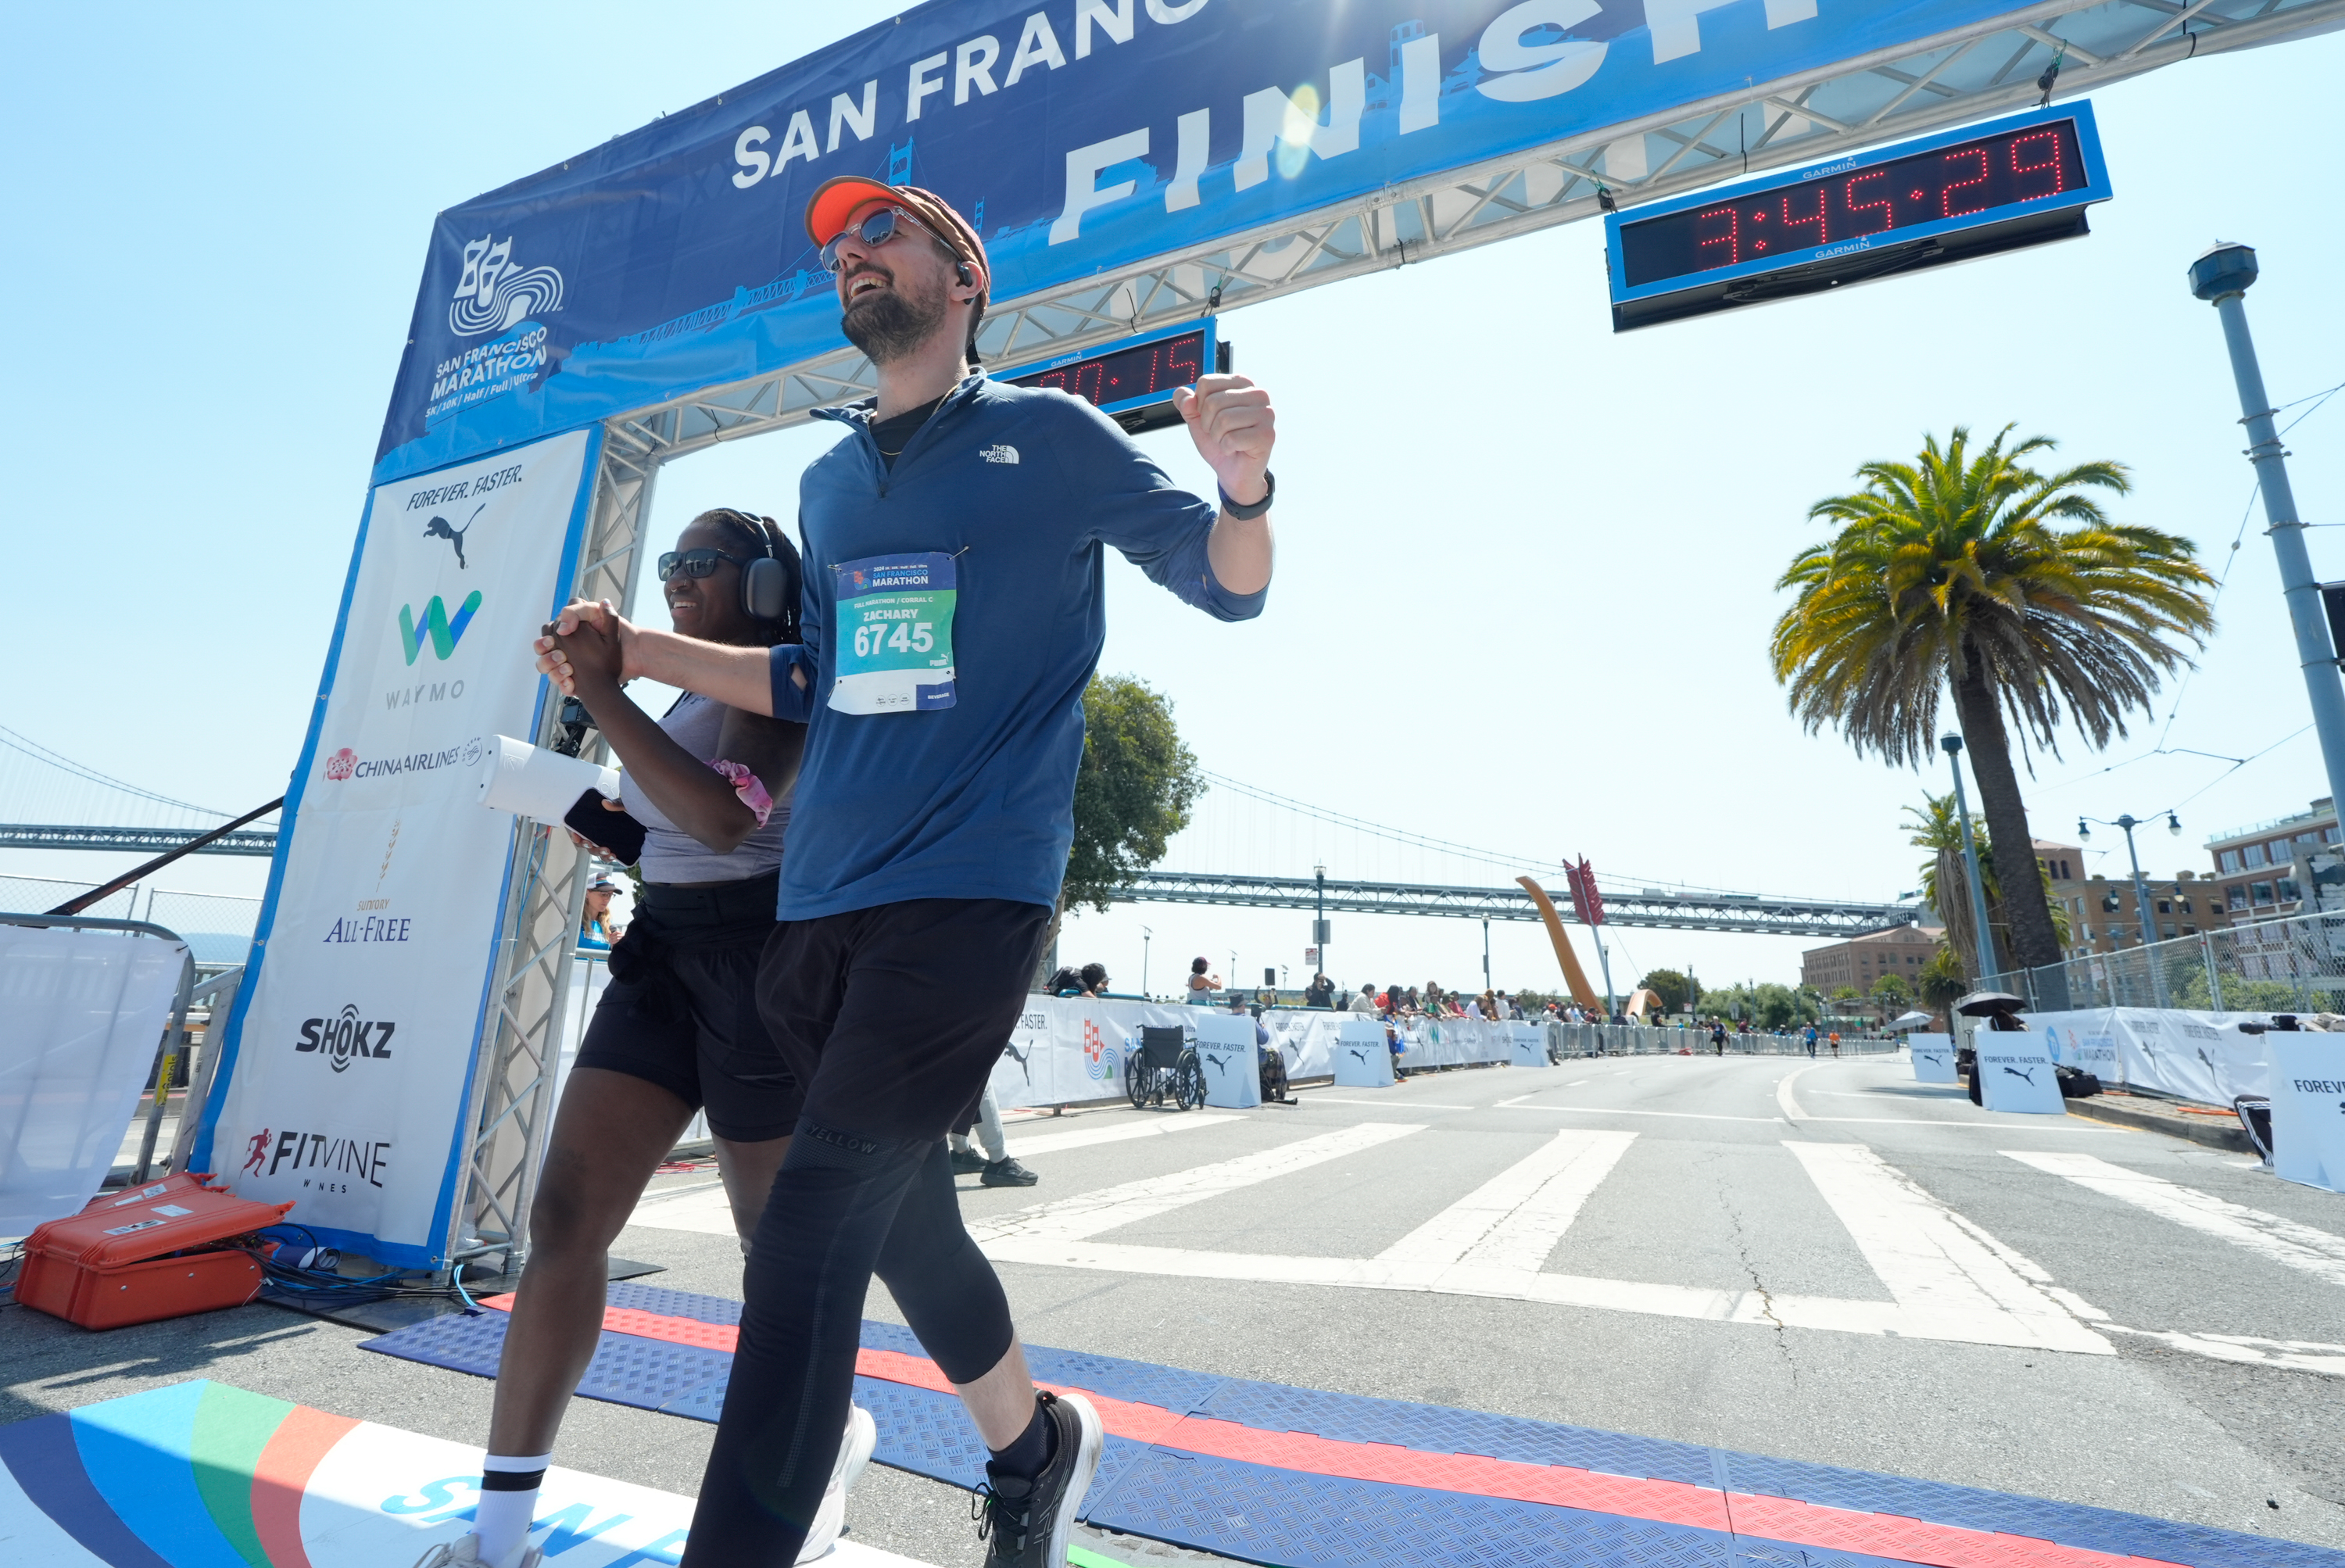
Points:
[[1245, 514]]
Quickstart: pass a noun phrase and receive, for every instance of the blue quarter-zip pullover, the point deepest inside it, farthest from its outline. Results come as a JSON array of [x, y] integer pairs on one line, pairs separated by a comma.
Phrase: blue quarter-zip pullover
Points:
[[1022, 489]]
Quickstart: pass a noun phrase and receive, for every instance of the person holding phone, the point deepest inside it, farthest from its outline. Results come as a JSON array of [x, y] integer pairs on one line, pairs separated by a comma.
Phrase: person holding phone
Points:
[[704, 805]]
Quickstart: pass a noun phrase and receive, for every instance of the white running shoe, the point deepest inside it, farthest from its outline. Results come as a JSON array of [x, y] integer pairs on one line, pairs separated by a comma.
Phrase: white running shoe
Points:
[[464, 1552], [854, 1453]]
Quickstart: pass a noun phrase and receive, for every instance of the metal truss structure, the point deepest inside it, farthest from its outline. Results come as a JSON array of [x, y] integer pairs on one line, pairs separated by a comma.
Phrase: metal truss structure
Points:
[[137, 840], [1946, 80], [1675, 911], [511, 1103], [1966, 75]]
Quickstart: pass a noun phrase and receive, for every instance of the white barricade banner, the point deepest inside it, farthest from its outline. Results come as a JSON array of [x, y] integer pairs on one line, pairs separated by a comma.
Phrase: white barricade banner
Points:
[[84, 1012], [2308, 1108], [1454, 1042], [1362, 1058], [1225, 1050], [1305, 1039], [1527, 1044], [2192, 1055], [347, 1068], [2015, 1072], [1934, 1058]]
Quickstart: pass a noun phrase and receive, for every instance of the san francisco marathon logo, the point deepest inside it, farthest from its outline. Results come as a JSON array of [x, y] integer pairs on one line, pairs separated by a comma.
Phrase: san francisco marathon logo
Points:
[[493, 294]]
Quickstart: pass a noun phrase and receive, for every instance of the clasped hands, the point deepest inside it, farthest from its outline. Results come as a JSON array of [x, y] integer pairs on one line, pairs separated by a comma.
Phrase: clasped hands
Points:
[[586, 644]]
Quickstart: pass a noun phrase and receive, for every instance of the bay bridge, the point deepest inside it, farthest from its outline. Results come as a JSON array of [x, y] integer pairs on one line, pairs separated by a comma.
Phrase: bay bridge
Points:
[[1235, 821]]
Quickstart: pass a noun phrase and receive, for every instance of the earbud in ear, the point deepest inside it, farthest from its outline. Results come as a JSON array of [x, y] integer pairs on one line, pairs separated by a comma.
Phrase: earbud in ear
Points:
[[961, 269]]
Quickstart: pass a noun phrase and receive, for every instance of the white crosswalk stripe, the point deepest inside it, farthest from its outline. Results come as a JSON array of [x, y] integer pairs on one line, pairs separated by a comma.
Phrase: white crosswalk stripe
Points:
[[2298, 1246], [1514, 1220]]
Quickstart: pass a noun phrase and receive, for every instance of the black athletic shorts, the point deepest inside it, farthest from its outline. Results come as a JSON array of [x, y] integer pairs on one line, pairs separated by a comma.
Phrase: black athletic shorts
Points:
[[681, 1010], [892, 1017]]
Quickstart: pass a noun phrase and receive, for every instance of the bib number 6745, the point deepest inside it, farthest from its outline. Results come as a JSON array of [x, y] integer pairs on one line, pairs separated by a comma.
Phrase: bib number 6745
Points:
[[904, 636]]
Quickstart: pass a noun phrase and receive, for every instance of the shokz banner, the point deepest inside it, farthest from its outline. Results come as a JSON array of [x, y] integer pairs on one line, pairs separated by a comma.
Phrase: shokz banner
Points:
[[2201, 1056], [1079, 136], [348, 1062]]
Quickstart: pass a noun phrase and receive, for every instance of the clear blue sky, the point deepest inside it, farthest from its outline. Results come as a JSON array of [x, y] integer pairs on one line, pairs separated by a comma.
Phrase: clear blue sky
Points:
[[1526, 565]]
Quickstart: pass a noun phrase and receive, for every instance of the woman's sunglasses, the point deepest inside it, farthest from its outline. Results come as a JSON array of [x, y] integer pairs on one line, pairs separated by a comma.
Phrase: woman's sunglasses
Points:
[[693, 563], [873, 231]]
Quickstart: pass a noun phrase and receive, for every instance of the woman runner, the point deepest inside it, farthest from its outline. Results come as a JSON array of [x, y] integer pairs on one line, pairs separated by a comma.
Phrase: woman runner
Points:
[[677, 1030]]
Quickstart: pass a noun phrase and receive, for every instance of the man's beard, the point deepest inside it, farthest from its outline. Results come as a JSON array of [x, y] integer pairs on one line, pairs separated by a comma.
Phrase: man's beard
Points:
[[894, 324]]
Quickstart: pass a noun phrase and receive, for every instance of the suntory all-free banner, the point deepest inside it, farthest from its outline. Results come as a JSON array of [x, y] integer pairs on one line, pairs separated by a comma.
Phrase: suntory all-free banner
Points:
[[347, 1067]]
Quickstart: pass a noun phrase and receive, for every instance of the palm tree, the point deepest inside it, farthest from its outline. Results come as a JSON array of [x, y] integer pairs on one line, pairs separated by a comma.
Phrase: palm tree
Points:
[[1953, 575], [1945, 883], [1942, 981]]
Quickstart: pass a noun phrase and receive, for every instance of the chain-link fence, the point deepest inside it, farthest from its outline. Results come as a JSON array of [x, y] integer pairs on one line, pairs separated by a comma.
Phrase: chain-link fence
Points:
[[218, 926], [2292, 965]]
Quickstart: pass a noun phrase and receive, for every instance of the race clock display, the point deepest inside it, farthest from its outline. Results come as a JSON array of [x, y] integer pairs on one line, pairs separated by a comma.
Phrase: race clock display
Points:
[[1133, 381]]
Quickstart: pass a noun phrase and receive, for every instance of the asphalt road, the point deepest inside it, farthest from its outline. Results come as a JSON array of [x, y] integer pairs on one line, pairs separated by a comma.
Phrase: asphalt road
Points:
[[1825, 1262]]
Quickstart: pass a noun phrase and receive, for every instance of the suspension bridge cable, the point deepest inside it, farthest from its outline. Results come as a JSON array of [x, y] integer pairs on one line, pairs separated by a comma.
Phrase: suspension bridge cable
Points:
[[33, 748]]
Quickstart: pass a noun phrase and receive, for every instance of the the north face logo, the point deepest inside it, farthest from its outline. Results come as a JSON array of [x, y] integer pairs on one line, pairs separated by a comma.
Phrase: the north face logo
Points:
[[999, 453]]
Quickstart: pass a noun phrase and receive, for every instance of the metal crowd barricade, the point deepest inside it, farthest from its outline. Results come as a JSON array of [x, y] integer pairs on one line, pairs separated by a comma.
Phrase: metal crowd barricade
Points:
[[2294, 964]]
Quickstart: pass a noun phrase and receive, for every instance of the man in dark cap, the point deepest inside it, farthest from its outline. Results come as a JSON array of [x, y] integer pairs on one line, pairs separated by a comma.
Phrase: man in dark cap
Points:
[[954, 611]]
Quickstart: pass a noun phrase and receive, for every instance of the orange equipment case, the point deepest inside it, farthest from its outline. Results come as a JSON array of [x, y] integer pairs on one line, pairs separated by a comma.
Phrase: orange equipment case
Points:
[[106, 1267]]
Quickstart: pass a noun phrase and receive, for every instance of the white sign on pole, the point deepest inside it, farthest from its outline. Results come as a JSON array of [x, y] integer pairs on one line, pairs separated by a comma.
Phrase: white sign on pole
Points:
[[1934, 1058], [348, 1072], [2308, 1108], [1225, 1050], [2015, 1072], [1362, 1058]]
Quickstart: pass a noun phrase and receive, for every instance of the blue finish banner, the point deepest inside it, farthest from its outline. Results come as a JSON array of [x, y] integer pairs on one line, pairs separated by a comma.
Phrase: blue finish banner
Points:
[[1081, 136]]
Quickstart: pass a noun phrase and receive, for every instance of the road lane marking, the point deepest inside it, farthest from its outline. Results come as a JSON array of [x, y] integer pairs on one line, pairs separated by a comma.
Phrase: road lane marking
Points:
[[1514, 1220], [1092, 1213], [2298, 1246], [1390, 1105], [1951, 1280], [2298, 1355], [1612, 1111], [1083, 1137], [1784, 1096]]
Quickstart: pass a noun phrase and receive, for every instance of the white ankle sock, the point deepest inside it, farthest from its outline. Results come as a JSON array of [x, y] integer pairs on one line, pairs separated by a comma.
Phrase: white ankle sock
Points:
[[501, 1522]]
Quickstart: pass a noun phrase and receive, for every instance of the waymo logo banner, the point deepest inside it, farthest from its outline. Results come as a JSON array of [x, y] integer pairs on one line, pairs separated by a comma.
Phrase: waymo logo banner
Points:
[[438, 630], [395, 746], [492, 294]]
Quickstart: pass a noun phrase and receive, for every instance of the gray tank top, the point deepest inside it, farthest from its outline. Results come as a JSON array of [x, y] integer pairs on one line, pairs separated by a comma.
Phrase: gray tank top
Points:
[[673, 855]]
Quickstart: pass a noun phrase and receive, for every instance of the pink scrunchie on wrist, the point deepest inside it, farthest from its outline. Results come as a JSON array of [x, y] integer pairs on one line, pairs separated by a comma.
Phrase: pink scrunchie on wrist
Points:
[[749, 787]]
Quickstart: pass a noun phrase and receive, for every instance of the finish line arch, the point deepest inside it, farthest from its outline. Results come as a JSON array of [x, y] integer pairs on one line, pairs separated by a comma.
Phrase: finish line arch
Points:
[[1131, 163]]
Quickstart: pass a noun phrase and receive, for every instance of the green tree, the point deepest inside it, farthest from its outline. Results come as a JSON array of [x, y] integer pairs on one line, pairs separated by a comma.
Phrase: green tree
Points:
[[1893, 995], [1776, 1006], [1946, 882], [1674, 989], [1133, 792], [1942, 981], [1977, 577]]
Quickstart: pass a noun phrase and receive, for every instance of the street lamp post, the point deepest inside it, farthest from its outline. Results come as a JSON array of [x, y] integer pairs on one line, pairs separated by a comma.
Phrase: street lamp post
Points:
[[1952, 745], [2145, 926], [2221, 276], [1319, 920], [1145, 934]]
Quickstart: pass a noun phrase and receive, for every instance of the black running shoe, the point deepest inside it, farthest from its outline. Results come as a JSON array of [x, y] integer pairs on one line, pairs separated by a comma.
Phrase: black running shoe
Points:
[[967, 1161], [1007, 1173], [1025, 1523]]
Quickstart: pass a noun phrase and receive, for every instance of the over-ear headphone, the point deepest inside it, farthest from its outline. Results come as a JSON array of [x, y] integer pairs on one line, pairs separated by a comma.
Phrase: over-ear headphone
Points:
[[771, 586]]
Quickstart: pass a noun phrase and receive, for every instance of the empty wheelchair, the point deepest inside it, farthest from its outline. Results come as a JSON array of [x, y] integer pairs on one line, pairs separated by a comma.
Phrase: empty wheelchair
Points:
[[1164, 1068]]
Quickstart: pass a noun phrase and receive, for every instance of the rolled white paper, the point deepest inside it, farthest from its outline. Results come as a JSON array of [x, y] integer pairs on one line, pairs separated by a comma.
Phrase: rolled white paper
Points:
[[531, 781]]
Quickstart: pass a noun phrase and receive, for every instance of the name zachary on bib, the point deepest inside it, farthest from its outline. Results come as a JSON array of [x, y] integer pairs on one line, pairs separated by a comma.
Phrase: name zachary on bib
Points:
[[895, 652]]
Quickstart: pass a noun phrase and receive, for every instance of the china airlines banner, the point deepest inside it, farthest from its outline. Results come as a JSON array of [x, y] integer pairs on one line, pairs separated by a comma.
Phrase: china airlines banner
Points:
[[348, 1064]]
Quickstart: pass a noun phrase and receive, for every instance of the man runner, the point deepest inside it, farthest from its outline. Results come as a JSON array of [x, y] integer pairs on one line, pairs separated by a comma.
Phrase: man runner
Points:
[[954, 612]]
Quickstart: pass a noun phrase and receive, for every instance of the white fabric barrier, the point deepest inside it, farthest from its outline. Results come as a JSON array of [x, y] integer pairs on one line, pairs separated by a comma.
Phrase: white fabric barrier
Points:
[[2191, 1055], [2308, 1108], [85, 1011], [2015, 1072], [1066, 1050], [1934, 1058]]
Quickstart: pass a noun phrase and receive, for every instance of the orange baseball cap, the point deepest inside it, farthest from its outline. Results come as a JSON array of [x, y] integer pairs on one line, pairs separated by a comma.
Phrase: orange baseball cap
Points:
[[835, 201]]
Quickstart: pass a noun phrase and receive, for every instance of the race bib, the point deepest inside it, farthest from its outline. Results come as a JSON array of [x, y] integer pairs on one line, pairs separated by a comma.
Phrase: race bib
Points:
[[895, 634]]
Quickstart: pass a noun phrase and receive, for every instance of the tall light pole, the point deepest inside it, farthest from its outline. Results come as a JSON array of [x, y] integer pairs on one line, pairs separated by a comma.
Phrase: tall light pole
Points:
[[1319, 922], [1952, 745], [1144, 934], [2221, 276], [2145, 927]]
